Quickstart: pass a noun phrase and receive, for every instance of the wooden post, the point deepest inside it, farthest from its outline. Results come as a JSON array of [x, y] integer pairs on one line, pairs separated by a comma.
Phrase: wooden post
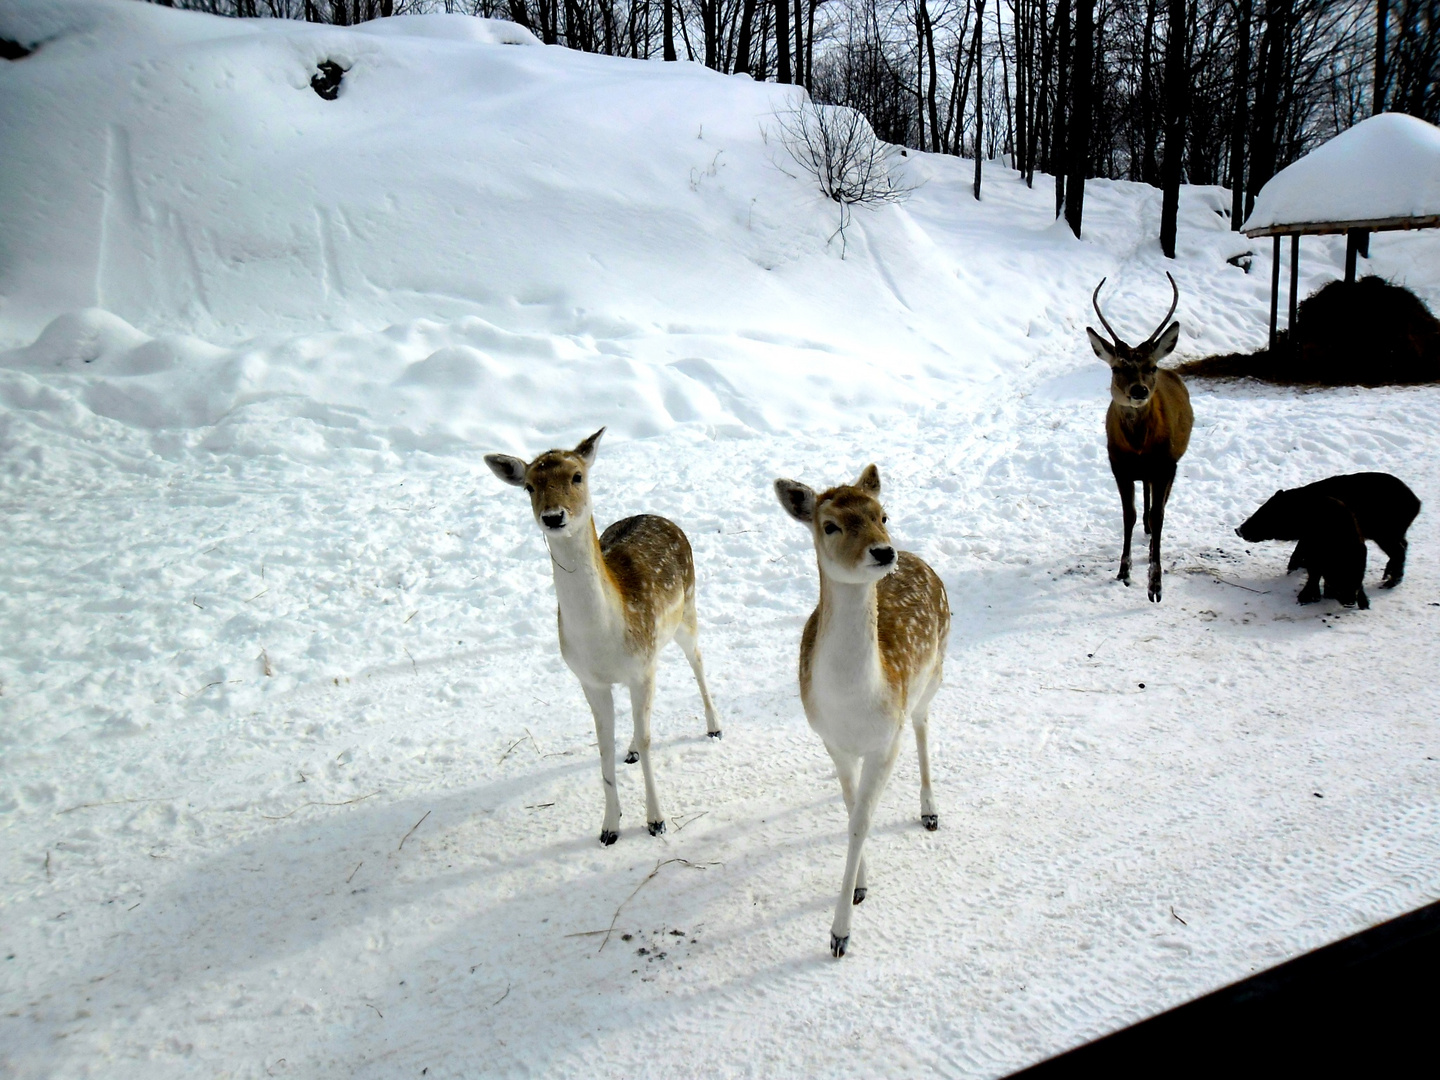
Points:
[[1352, 248], [1274, 291], [1294, 286]]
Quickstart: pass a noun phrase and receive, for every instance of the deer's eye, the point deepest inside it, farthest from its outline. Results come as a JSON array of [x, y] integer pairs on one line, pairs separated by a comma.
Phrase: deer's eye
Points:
[[831, 528], [577, 478], [530, 488], [884, 518]]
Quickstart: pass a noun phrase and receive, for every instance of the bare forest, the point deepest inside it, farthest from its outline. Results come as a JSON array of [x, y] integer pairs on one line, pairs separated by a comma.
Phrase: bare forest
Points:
[[1158, 91]]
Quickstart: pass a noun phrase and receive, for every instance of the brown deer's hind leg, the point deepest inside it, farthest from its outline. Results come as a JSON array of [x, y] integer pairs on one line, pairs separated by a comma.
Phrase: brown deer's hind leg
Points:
[[1160, 497], [1145, 517], [1127, 509]]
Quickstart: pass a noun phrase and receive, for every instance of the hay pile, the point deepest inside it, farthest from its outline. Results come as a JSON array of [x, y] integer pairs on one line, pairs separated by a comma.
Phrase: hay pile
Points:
[[1366, 333]]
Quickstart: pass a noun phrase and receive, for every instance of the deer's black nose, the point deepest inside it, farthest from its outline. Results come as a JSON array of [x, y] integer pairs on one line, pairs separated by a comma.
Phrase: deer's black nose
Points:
[[884, 556], [554, 520], [1138, 392]]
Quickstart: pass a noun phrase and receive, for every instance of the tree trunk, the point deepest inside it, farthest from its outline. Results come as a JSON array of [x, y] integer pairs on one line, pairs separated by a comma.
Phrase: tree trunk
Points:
[[1240, 117], [742, 50], [1005, 86], [920, 73], [782, 40], [1382, 32], [955, 115], [931, 103], [1265, 138], [979, 94], [708, 12], [1081, 80], [1060, 148], [1039, 143], [810, 47], [1149, 137], [670, 30], [799, 43], [1177, 88], [1022, 87]]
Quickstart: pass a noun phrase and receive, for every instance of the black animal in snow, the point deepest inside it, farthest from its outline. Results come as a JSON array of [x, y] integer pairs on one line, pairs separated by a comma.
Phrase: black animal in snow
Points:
[[1377, 506]]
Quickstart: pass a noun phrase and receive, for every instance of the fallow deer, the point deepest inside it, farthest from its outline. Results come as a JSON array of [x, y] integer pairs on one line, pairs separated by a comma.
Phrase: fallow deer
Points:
[[623, 596], [871, 654], [1147, 427]]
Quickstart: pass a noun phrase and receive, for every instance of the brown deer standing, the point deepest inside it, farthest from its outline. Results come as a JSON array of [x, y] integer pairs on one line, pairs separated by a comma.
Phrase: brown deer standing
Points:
[[1147, 427], [622, 597], [871, 655]]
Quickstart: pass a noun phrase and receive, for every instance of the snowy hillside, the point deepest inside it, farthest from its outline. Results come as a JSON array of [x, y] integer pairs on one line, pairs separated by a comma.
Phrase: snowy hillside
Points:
[[293, 780]]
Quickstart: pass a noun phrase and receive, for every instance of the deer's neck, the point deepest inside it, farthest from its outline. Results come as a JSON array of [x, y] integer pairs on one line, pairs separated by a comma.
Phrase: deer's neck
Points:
[[847, 639], [589, 602]]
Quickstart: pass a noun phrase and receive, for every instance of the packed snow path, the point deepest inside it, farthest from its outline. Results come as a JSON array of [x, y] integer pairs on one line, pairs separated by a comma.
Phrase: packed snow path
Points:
[[220, 887], [293, 780]]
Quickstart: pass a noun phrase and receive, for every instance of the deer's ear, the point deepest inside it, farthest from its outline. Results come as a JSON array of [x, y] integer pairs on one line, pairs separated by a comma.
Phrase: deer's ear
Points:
[[1167, 342], [507, 468], [797, 499], [1101, 346], [586, 450], [869, 481]]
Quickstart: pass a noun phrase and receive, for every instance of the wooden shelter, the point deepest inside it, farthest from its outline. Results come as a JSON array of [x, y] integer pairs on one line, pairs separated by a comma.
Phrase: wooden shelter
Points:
[[1381, 174]]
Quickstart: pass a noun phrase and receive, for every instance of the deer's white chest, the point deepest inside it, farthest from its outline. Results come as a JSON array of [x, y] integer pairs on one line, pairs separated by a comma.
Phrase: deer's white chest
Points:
[[594, 649], [591, 621], [850, 704]]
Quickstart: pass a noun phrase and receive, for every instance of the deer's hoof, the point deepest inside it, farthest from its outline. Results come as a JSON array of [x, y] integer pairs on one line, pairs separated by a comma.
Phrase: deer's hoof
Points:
[[657, 828], [717, 734], [1154, 594], [608, 836], [930, 821], [838, 945], [631, 757], [859, 896]]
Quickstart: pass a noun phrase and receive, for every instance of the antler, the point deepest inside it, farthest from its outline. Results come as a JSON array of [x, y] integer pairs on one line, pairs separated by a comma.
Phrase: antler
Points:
[[1165, 321], [1095, 299]]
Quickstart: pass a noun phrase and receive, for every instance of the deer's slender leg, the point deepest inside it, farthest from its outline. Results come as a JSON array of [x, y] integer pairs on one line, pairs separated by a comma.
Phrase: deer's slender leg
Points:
[[873, 774], [602, 704], [642, 697], [1145, 498], [847, 768], [1127, 511], [1157, 518], [687, 639], [928, 817]]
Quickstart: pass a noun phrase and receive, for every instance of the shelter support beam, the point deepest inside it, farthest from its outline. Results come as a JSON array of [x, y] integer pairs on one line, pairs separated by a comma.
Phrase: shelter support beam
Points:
[[1274, 290], [1357, 242], [1294, 285]]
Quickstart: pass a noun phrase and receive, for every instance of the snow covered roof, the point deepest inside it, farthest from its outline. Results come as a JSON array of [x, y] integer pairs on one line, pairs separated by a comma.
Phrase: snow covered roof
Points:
[[1383, 173]]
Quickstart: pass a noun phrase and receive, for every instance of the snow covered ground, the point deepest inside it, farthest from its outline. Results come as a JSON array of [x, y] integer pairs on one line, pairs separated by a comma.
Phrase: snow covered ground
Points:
[[293, 780]]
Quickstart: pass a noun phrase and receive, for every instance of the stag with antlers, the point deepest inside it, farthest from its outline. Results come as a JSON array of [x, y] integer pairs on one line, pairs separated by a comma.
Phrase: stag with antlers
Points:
[[1147, 427]]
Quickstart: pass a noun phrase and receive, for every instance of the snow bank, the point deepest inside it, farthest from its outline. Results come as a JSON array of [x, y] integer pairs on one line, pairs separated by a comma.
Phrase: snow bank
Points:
[[1385, 167], [472, 241]]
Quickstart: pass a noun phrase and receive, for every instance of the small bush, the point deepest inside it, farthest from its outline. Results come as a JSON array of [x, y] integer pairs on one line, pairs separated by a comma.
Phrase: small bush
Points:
[[836, 147]]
